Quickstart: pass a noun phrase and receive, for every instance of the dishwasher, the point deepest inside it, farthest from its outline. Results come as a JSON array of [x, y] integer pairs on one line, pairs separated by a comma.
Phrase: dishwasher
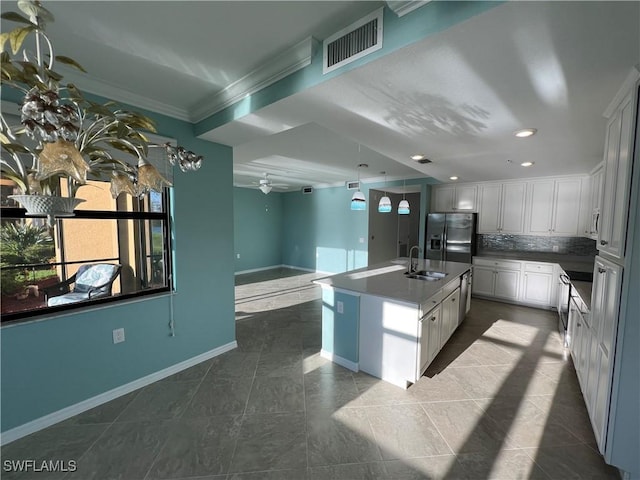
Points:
[[465, 296]]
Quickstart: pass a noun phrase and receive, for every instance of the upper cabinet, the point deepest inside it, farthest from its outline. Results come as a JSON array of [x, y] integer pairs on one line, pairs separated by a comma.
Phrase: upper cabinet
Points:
[[617, 177], [554, 207], [501, 207], [596, 183], [454, 198]]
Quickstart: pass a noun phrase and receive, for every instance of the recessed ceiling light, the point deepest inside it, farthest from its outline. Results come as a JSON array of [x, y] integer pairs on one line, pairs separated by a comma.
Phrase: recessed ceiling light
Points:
[[527, 164], [453, 178], [525, 132], [417, 156]]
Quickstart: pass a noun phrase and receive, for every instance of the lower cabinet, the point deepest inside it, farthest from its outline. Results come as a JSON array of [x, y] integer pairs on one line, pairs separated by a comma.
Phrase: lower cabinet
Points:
[[430, 326], [530, 283], [450, 311], [397, 341], [496, 278]]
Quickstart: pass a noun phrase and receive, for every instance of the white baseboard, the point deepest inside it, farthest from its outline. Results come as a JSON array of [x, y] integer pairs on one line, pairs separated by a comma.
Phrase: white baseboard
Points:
[[68, 412], [261, 269], [353, 366]]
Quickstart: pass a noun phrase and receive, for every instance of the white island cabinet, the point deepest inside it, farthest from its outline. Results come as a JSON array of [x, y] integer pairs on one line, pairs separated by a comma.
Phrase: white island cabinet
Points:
[[381, 322]]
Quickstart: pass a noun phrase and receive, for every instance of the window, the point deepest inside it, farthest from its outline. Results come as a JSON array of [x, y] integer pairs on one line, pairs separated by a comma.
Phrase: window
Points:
[[130, 232]]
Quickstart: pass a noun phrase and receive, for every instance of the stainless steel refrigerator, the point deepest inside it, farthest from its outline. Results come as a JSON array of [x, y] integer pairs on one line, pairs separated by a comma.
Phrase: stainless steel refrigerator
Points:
[[451, 237]]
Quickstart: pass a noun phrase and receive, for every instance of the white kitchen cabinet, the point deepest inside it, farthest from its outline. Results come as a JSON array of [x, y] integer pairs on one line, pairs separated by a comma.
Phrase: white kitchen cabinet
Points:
[[496, 278], [604, 324], [537, 284], [554, 207], [450, 313], [595, 199], [617, 178], [501, 207], [454, 198], [431, 324]]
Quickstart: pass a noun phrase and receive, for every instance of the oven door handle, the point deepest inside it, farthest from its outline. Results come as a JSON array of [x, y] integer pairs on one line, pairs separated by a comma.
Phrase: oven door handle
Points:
[[565, 279]]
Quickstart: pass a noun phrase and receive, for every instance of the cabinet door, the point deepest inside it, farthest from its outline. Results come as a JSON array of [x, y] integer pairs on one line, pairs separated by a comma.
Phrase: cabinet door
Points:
[[450, 310], [489, 198], [507, 284], [537, 288], [423, 350], [566, 207], [601, 401], [591, 370], [465, 198], [433, 336], [512, 211], [443, 198], [483, 281], [541, 207], [617, 178]]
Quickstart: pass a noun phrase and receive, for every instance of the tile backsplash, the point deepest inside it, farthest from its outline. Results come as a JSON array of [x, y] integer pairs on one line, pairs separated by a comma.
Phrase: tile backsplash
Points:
[[530, 243]]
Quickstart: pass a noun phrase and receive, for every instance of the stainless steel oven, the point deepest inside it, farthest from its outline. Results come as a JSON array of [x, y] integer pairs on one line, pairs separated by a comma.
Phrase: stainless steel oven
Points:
[[564, 298]]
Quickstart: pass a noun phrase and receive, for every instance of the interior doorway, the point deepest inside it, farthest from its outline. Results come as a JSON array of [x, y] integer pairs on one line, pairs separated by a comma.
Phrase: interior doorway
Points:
[[392, 235]]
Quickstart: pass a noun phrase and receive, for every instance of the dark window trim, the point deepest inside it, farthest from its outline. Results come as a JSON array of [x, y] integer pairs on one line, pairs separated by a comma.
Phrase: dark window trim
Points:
[[86, 306]]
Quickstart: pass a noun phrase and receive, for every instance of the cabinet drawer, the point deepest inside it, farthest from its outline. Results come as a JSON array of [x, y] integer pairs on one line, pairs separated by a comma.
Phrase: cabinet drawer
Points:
[[538, 267], [502, 264]]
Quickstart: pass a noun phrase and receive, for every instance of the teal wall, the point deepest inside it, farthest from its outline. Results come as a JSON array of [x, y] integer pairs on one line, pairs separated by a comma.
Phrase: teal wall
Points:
[[320, 232], [257, 226], [340, 330], [57, 362]]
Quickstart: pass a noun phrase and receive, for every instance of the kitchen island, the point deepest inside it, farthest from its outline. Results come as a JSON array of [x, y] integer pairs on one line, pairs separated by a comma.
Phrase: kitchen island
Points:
[[377, 320]]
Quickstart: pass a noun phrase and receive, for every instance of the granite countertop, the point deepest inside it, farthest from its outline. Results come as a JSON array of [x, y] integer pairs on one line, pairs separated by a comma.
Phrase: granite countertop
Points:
[[576, 263], [388, 280]]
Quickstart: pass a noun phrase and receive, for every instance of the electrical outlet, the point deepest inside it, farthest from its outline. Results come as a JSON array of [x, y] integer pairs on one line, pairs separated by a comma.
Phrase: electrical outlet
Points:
[[555, 248], [361, 240], [237, 255], [118, 335], [340, 306]]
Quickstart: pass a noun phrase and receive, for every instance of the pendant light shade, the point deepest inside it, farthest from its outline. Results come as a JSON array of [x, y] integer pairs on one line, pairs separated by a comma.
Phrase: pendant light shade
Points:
[[384, 206], [403, 206], [358, 202]]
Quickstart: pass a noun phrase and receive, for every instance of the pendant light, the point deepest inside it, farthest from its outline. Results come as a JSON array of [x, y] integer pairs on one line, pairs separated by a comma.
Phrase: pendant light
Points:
[[358, 201], [384, 206], [403, 206]]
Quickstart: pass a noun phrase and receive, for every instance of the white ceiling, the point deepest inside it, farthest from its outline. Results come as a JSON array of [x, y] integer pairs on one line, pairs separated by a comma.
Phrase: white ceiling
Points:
[[456, 97]]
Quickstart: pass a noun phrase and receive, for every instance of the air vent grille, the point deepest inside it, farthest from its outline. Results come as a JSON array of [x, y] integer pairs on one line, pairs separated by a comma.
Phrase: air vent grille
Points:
[[307, 190], [354, 42], [353, 185], [424, 160]]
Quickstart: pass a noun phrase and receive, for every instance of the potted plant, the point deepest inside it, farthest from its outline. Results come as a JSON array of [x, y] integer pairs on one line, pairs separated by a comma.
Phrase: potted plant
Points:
[[64, 138]]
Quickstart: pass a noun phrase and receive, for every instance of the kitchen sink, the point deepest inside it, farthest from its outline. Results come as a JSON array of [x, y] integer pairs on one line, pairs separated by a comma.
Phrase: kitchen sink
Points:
[[428, 275]]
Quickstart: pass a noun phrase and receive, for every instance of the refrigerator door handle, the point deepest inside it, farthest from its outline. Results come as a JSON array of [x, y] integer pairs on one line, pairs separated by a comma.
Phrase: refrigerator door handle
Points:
[[443, 252]]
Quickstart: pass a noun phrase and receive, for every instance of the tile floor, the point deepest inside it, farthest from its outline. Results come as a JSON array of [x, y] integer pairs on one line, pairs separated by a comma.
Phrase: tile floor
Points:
[[500, 401]]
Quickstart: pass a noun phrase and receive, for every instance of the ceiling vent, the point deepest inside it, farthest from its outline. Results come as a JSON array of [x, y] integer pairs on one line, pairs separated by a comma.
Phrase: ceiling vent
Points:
[[349, 44], [424, 160], [307, 190], [354, 185]]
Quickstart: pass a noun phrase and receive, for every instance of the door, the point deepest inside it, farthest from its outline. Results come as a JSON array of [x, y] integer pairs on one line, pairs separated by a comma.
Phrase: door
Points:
[[435, 236], [489, 208], [459, 237], [566, 206], [507, 284], [383, 232], [433, 337], [512, 207], [483, 281], [541, 210]]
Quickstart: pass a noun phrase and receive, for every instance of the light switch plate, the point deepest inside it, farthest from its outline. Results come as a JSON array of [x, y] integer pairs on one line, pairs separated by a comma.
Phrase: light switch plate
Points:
[[340, 307]]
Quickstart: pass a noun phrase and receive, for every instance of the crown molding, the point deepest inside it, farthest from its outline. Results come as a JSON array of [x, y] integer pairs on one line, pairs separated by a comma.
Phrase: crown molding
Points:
[[87, 83], [402, 7], [284, 64], [627, 85]]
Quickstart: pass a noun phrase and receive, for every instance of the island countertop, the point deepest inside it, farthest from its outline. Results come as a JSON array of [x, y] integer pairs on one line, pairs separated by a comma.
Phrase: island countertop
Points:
[[388, 280]]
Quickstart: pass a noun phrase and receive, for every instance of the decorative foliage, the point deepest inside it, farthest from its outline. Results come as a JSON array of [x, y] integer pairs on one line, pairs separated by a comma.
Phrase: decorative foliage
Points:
[[63, 135]]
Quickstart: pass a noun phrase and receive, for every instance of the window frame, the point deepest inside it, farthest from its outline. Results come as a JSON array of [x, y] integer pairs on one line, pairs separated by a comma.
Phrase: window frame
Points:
[[164, 216]]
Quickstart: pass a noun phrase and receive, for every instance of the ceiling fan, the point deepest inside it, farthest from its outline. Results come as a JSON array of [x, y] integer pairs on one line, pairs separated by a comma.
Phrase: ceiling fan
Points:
[[265, 185]]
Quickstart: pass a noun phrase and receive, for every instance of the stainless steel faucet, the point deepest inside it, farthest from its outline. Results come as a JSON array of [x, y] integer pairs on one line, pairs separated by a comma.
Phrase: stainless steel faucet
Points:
[[412, 267]]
